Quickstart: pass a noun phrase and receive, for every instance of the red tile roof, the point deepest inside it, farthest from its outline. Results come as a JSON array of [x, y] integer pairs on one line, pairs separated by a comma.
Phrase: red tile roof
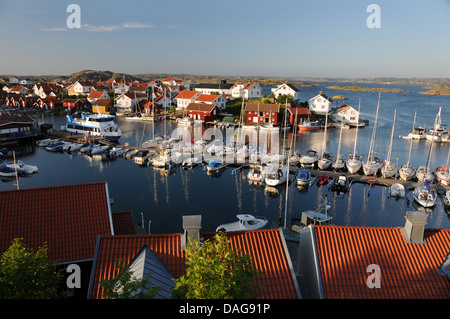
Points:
[[207, 98], [185, 94], [266, 246], [67, 218], [407, 270]]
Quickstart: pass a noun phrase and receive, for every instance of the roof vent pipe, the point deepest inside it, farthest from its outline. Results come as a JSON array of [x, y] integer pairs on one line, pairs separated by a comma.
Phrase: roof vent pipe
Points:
[[414, 227], [191, 229]]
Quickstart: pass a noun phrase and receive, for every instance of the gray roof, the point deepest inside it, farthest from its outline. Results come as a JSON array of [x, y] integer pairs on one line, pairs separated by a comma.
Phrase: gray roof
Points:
[[223, 86], [146, 262]]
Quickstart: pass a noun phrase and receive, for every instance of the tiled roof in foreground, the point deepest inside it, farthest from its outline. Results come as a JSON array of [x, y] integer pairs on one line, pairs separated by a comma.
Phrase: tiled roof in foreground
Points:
[[265, 246], [407, 270]]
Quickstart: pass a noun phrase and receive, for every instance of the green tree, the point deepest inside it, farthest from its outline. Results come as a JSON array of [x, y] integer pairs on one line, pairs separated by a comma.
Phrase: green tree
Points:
[[126, 286], [215, 271], [25, 274], [283, 98]]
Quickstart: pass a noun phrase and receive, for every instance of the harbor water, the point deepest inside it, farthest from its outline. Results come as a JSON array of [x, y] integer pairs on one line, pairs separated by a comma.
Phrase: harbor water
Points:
[[162, 197]]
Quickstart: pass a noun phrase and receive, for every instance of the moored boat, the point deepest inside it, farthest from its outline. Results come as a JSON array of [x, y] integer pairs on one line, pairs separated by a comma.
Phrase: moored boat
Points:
[[215, 164], [307, 126], [323, 179], [22, 168], [259, 172], [101, 125], [55, 147], [303, 177], [425, 195], [277, 176], [397, 190], [245, 222], [309, 159]]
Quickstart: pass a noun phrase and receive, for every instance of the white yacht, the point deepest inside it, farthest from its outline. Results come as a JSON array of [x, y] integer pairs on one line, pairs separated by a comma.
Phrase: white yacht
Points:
[[101, 125]]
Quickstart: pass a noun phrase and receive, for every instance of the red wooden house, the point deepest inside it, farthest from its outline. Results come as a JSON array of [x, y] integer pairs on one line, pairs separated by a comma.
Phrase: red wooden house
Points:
[[297, 115], [265, 113], [203, 111], [76, 104]]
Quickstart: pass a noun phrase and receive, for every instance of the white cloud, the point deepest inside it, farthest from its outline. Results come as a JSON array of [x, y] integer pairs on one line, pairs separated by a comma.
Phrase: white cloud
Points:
[[107, 28]]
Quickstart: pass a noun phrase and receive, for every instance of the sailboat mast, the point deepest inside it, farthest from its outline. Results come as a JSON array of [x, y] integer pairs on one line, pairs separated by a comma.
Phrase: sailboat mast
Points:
[[324, 142], [410, 142], [388, 159], [357, 128], [372, 142]]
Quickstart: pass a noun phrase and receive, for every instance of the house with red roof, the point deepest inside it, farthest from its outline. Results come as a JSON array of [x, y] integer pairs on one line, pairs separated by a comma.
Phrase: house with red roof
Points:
[[164, 256], [184, 98], [345, 262], [76, 104], [262, 113], [216, 99], [203, 112], [68, 219], [345, 113], [297, 115], [97, 95]]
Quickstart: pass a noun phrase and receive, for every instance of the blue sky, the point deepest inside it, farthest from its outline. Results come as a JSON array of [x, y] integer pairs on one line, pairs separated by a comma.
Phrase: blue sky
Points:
[[287, 38]]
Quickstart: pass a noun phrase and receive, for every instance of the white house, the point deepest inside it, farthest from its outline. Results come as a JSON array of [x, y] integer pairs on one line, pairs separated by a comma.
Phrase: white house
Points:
[[13, 80], [127, 102], [185, 97], [223, 88], [346, 114], [18, 89], [286, 89], [121, 88], [248, 90], [26, 82], [215, 99], [320, 104], [80, 88]]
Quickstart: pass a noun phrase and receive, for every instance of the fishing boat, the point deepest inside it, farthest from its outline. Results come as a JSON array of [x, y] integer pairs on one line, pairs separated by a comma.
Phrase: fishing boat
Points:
[[215, 164], [397, 190], [259, 172], [22, 168], [389, 168], [101, 125], [323, 179], [55, 147], [245, 222], [307, 126], [312, 217], [425, 195], [309, 159], [373, 164], [277, 176], [303, 177], [407, 171], [340, 184]]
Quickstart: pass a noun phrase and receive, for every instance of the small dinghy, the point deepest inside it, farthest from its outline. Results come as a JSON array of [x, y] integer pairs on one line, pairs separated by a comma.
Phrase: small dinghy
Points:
[[397, 190]]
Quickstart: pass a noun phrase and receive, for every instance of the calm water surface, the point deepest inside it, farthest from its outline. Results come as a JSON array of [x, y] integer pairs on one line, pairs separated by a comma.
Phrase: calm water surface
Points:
[[162, 197]]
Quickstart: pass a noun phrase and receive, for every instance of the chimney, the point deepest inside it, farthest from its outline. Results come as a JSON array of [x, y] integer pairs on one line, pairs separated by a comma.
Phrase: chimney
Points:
[[191, 229], [414, 227]]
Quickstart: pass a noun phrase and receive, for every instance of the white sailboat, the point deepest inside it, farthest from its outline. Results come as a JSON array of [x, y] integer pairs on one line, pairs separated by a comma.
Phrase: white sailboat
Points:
[[278, 176], [407, 171], [389, 168], [326, 159], [353, 161], [425, 195], [442, 174], [435, 134], [424, 172], [373, 164], [339, 164]]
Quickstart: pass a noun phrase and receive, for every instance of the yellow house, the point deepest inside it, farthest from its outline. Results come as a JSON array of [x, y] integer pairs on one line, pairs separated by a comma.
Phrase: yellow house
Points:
[[102, 106]]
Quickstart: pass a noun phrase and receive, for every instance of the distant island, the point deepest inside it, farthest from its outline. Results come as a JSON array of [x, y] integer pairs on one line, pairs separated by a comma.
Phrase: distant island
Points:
[[437, 89], [364, 89]]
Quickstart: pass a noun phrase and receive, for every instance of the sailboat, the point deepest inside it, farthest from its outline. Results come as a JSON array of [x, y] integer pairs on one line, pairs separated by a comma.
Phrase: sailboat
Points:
[[373, 164], [354, 162], [423, 172], [339, 164], [389, 168], [407, 171], [326, 159], [442, 174], [435, 134], [425, 194]]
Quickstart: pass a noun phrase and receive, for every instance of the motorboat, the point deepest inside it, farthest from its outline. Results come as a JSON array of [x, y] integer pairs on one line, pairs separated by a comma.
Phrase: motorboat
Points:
[[340, 184], [447, 199], [277, 176], [425, 195], [6, 171], [397, 190], [163, 159], [307, 126], [442, 175], [215, 164], [117, 151], [55, 147], [46, 142], [185, 121], [98, 149], [190, 161], [303, 177], [22, 168], [141, 157], [417, 133], [245, 222], [259, 172], [72, 147], [309, 159], [131, 153], [435, 134], [99, 124], [322, 179]]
